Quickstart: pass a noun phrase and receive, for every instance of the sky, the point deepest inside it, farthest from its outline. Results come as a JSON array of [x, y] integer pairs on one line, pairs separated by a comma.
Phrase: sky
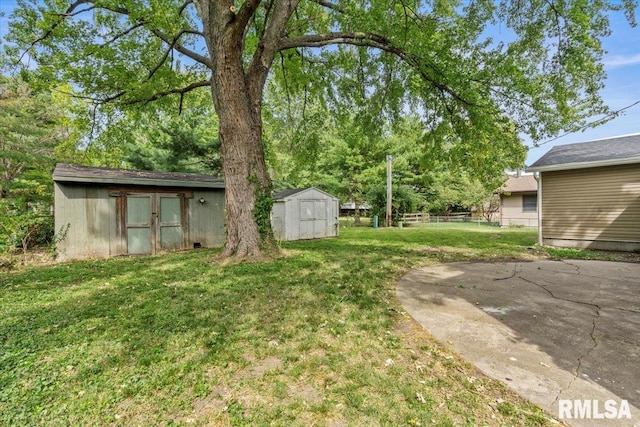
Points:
[[622, 86]]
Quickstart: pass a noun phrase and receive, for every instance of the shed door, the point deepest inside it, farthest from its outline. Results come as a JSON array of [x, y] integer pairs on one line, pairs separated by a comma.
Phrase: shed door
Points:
[[307, 219], [320, 220], [139, 224], [154, 222], [313, 219], [169, 223]]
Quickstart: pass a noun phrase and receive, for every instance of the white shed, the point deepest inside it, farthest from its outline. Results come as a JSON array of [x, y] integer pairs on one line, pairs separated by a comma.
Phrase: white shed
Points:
[[304, 213]]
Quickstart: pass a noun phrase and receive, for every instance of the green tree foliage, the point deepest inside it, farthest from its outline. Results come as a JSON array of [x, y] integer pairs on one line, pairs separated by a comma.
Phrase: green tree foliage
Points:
[[403, 201], [455, 191], [30, 129], [149, 137], [181, 144], [436, 57]]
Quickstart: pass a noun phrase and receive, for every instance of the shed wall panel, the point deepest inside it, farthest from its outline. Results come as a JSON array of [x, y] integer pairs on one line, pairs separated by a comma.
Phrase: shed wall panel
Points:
[[307, 214], [292, 218], [90, 215], [278, 223], [206, 221], [600, 204]]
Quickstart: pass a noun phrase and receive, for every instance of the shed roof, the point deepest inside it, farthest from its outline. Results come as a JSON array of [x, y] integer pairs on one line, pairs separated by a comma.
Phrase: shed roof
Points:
[[95, 175], [282, 195], [603, 152], [520, 184]]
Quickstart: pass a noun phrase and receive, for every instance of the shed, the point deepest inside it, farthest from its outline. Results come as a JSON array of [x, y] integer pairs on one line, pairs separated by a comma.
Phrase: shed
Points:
[[304, 213], [589, 194], [518, 202], [101, 212]]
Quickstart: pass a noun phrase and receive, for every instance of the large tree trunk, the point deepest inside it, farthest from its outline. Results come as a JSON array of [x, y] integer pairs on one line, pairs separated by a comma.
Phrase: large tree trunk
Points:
[[247, 183], [245, 172], [237, 96]]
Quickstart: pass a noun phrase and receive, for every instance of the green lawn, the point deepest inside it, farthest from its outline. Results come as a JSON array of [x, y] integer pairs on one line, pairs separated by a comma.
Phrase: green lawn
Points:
[[315, 337]]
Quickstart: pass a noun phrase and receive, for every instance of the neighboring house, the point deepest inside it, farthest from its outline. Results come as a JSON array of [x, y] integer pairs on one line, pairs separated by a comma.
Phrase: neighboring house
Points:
[[349, 209], [101, 212], [590, 194], [304, 213], [518, 202]]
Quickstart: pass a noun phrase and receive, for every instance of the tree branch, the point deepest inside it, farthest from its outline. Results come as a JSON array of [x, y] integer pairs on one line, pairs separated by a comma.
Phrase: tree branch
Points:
[[173, 43], [122, 34], [184, 6], [375, 41], [267, 48], [154, 97], [70, 12], [176, 91], [247, 10], [329, 5]]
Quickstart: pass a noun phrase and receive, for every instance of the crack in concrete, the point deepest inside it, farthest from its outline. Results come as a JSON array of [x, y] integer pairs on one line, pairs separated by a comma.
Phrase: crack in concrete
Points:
[[515, 271], [629, 310], [557, 297], [577, 267], [591, 334]]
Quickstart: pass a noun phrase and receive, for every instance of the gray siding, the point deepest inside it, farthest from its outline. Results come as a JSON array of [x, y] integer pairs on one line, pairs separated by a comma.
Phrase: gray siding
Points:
[[90, 213], [593, 208], [206, 221]]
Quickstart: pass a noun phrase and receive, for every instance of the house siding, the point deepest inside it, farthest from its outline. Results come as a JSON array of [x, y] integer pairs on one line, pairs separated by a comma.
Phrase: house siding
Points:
[[511, 212], [595, 208]]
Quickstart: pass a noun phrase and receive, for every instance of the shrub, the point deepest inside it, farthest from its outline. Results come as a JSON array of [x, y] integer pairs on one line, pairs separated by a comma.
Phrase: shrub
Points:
[[24, 225], [403, 200]]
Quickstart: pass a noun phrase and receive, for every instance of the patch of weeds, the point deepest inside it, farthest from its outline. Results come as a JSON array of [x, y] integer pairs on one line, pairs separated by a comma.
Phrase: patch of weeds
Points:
[[506, 408], [588, 254], [280, 390], [236, 412]]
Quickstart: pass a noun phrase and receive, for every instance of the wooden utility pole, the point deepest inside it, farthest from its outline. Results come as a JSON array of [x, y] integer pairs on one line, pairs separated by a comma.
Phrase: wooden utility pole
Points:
[[389, 159]]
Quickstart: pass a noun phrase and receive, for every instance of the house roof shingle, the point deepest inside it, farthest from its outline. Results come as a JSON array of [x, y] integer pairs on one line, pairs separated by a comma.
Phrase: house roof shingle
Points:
[[520, 184], [97, 175], [603, 152]]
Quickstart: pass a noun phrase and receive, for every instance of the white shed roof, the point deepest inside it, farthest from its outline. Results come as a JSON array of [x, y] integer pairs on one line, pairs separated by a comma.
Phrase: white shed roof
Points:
[[288, 194]]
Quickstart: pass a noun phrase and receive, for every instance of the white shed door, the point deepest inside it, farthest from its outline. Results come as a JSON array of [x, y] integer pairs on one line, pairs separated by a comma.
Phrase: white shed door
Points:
[[306, 219], [169, 227], [313, 219], [320, 219]]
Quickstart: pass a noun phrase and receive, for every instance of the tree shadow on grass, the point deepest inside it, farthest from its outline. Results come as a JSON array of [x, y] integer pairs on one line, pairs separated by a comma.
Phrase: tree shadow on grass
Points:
[[134, 326]]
